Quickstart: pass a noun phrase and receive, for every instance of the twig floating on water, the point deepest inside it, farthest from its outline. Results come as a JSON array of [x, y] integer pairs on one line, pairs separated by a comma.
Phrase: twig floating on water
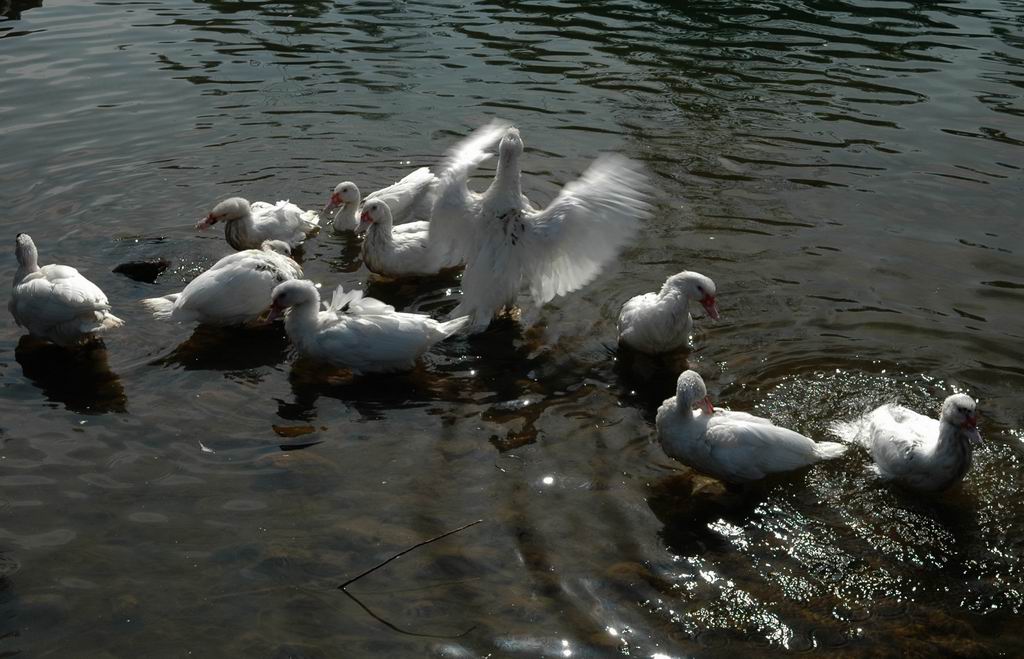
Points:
[[344, 587], [406, 551], [296, 447], [393, 626]]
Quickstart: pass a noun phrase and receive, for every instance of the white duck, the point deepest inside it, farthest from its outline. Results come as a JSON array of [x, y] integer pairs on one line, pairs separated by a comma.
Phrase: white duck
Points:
[[504, 240], [410, 199], [234, 291], [916, 451], [55, 302], [246, 225], [660, 322], [361, 334], [731, 446], [393, 253]]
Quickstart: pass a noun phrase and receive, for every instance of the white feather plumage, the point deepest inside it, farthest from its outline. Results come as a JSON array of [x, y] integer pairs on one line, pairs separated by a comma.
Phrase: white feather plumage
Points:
[[392, 253], [356, 332], [504, 240], [235, 290], [732, 446], [55, 302], [247, 225], [410, 200], [914, 450], [660, 322]]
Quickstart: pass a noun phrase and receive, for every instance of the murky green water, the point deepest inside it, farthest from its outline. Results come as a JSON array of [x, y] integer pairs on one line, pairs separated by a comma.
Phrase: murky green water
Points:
[[848, 172]]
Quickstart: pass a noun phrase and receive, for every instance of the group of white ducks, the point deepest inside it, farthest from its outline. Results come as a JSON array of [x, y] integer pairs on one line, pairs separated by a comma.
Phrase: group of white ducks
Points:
[[431, 222]]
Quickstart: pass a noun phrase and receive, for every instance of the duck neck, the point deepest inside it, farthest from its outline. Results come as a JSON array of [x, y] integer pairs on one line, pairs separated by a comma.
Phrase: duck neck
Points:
[[673, 295], [301, 321], [507, 178], [346, 219], [237, 231], [28, 263], [954, 445], [379, 235], [685, 408]]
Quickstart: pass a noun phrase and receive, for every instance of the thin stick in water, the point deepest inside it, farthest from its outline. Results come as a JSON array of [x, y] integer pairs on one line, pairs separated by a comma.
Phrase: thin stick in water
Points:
[[406, 551]]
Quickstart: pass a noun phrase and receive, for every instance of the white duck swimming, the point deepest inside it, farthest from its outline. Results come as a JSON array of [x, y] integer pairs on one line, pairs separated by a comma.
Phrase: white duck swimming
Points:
[[247, 226], [731, 446], [234, 291], [55, 302], [914, 450], [504, 240], [361, 334], [660, 322], [410, 199], [393, 253]]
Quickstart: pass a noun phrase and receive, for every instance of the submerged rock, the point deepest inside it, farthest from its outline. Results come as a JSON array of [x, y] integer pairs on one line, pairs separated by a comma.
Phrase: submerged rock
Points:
[[146, 271]]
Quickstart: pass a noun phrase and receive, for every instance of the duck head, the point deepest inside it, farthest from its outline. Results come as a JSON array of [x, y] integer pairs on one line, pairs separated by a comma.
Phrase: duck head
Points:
[[961, 411], [695, 286], [691, 392], [344, 194], [292, 293], [234, 208], [374, 212]]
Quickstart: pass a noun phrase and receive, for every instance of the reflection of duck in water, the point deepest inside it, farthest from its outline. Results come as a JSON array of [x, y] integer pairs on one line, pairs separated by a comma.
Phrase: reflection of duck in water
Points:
[[12, 10], [230, 348], [80, 379]]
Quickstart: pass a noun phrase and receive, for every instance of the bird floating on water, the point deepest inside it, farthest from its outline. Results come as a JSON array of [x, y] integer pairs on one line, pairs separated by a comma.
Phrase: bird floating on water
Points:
[[410, 199], [735, 447], [914, 450], [55, 302], [660, 322], [356, 332], [247, 225], [402, 251], [235, 290]]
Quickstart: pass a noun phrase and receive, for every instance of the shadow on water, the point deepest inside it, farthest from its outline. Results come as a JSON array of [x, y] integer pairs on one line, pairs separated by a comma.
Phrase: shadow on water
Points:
[[342, 252], [645, 381], [287, 8], [687, 502], [829, 150], [451, 372], [372, 395], [230, 348], [11, 9], [407, 292], [79, 378]]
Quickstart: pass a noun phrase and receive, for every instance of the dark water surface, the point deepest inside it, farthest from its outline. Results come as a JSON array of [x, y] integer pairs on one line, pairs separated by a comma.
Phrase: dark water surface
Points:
[[849, 172]]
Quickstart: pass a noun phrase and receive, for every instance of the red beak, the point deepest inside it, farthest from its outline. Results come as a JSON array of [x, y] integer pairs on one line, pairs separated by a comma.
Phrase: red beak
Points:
[[274, 313], [970, 425], [334, 202], [206, 222], [707, 406], [710, 307], [364, 222]]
